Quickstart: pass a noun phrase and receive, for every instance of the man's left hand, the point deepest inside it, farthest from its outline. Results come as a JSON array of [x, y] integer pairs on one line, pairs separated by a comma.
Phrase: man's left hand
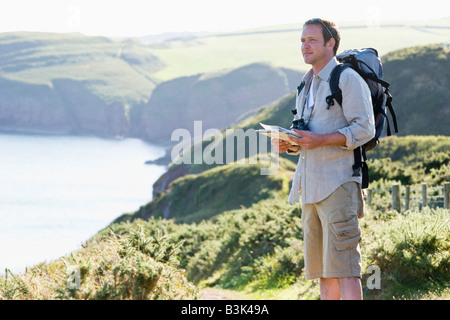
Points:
[[313, 140], [309, 140]]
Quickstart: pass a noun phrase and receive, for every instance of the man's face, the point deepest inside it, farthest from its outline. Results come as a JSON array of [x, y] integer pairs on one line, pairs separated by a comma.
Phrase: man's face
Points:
[[313, 45]]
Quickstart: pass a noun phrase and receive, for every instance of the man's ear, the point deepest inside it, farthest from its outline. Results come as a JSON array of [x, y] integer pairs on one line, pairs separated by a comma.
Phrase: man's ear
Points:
[[331, 43]]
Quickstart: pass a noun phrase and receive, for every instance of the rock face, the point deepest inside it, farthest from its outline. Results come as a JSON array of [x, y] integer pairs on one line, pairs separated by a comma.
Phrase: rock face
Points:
[[89, 113], [31, 107], [66, 107]]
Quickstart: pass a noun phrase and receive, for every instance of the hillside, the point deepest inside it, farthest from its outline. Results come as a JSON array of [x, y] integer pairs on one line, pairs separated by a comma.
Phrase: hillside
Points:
[[420, 78], [112, 70], [241, 234], [197, 197], [218, 99]]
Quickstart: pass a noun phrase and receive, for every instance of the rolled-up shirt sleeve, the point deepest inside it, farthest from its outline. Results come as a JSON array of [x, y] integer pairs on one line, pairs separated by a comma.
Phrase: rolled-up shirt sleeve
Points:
[[357, 108]]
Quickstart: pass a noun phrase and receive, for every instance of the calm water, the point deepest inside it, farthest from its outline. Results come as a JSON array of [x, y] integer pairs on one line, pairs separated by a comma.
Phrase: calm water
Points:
[[56, 192]]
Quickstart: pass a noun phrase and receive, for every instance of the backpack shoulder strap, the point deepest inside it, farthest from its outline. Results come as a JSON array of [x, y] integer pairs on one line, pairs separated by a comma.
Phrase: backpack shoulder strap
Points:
[[336, 93], [391, 110], [359, 165], [299, 89]]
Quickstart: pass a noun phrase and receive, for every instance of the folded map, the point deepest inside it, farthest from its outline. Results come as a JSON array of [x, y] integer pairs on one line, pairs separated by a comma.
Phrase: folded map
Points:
[[279, 133]]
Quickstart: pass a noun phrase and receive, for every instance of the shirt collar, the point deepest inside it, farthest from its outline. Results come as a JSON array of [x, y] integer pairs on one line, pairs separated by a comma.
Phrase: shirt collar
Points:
[[324, 74]]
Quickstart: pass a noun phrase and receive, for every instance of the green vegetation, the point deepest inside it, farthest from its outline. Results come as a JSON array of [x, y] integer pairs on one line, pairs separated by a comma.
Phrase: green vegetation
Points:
[[413, 253], [195, 197], [411, 160], [420, 78], [113, 267]]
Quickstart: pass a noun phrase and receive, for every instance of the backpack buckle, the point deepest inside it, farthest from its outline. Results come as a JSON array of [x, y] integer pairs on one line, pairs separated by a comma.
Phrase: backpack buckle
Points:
[[356, 172], [330, 101]]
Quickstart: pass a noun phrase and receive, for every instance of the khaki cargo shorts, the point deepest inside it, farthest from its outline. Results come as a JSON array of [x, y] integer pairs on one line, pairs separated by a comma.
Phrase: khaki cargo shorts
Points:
[[331, 234]]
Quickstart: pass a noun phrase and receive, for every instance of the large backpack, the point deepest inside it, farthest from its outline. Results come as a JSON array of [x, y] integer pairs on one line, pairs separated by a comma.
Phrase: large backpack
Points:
[[367, 64]]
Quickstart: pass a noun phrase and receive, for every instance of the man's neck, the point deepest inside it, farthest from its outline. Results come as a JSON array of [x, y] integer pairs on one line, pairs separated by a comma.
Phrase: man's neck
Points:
[[320, 65]]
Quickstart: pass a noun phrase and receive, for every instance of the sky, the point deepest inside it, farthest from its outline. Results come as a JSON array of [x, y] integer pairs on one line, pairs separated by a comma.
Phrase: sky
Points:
[[134, 18]]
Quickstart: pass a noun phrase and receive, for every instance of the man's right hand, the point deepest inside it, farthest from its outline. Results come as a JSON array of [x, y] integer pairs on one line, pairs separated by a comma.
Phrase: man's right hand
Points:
[[282, 146]]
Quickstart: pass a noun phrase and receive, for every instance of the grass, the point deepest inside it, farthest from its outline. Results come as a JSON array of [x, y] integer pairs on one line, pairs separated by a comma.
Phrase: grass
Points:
[[215, 190], [132, 267], [412, 250]]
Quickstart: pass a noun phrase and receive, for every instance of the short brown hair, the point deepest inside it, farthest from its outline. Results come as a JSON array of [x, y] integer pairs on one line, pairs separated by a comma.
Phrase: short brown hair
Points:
[[329, 30]]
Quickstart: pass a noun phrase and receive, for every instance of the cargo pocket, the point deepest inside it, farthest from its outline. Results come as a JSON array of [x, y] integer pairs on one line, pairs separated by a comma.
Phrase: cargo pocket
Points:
[[347, 234]]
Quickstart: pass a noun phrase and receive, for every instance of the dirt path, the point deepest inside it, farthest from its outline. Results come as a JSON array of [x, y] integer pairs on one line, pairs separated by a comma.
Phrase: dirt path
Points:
[[211, 294], [221, 294]]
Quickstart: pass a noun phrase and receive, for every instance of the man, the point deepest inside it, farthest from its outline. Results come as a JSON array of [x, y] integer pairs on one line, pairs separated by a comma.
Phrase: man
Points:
[[331, 197]]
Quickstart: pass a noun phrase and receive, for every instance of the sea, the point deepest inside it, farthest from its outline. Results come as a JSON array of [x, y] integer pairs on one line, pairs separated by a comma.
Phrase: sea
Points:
[[58, 191]]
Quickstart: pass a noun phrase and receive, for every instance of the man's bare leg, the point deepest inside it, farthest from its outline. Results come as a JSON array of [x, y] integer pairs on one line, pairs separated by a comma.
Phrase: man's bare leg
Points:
[[342, 288], [350, 288], [329, 289]]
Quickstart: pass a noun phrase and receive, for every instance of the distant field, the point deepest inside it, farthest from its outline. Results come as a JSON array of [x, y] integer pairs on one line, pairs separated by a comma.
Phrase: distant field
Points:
[[280, 45], [113, 70]]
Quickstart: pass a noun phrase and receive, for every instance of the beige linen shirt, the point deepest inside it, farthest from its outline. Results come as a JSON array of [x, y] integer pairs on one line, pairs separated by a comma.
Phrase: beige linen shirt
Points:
[[322, 170]]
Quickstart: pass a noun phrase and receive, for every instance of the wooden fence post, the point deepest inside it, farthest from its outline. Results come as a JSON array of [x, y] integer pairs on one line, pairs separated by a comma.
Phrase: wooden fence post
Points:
[[407, 196], [369, 197], [447, 195], [424, 195], [396, 203]]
